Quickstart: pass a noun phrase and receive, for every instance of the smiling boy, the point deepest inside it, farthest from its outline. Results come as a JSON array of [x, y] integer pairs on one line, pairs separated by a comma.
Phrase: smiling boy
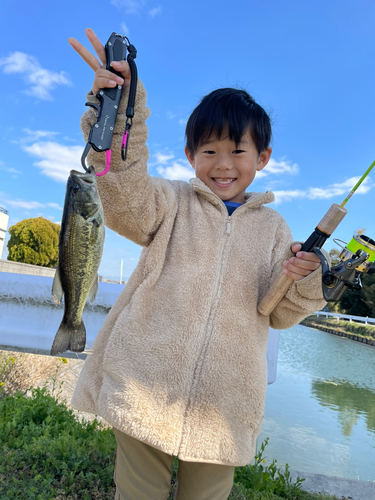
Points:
[[179, 366]]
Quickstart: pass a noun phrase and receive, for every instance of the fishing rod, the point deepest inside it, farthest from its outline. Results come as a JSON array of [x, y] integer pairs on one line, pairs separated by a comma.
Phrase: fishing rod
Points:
[[358, 256]]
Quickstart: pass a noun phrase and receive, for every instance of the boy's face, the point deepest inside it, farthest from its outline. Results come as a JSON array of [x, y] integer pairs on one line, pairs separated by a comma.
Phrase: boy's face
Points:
[[226, 169]]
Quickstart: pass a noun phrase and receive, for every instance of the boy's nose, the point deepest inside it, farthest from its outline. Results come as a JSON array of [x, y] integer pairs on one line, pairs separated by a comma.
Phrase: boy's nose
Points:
[[223, 162]]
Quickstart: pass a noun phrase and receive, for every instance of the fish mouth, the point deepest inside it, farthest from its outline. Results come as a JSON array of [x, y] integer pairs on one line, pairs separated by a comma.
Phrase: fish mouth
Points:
[[82, 178]]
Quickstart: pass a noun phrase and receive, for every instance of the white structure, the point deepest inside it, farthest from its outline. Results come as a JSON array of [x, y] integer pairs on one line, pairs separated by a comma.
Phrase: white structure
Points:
[[4, 217]]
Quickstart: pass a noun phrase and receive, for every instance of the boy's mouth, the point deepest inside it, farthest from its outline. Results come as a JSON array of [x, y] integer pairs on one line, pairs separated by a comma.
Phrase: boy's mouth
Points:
[[223, 181]]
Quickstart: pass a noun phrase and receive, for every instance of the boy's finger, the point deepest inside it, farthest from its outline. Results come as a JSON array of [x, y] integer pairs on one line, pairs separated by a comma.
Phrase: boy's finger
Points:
[[104, 73], [296, 247], [123, 68], [296, 269], [304, 264], [97, 44], [86, 55], [311, 256], [103, 83], [294, 276]]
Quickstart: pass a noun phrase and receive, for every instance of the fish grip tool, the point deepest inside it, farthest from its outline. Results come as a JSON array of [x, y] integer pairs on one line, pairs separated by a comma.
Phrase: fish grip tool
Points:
[[316, 240], [101, 133]]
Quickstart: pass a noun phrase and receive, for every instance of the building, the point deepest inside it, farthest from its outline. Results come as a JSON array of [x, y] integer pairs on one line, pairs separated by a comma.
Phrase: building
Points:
[[4, 217]]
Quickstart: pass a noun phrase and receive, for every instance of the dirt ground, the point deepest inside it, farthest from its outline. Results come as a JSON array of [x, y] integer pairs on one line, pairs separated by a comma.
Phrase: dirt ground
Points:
[[20, 371]]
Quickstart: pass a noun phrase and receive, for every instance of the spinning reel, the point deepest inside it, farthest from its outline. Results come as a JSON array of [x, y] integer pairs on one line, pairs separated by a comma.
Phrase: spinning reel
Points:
[[356, 257]]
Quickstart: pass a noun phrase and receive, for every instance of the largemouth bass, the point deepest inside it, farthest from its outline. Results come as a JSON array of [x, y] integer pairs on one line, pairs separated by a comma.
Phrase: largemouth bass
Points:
[[80, 251]]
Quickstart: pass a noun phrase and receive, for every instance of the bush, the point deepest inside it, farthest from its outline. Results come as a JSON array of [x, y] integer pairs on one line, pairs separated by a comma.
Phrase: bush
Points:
[[47, 452]]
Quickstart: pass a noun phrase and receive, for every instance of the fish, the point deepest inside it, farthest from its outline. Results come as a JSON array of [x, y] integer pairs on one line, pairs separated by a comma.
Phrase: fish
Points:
[[81, 242]]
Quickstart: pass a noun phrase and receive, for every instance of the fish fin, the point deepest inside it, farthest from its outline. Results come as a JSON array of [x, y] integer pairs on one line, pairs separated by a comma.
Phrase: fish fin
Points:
[[68, 340], [57, 291], [93, 292]]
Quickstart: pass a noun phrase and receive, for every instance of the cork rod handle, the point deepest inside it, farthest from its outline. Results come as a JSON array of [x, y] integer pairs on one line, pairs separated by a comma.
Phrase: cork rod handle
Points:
[[279, 287]]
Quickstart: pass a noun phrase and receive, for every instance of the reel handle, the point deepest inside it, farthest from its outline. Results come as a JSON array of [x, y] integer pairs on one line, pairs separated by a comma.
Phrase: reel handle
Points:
[[322, 232]]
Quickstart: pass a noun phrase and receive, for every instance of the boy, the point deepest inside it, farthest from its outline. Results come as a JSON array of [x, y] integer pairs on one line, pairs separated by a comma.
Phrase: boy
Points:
[[179, 366]]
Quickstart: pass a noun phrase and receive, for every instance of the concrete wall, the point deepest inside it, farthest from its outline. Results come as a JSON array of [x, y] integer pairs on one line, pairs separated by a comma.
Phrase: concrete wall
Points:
[[7, 266], [29, 319]]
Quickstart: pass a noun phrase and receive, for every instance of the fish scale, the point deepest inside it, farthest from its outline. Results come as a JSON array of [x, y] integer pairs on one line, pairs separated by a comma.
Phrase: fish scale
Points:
[[80, 250]]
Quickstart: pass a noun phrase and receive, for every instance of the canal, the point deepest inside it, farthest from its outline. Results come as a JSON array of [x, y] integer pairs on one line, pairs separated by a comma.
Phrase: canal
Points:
[[320, 412]]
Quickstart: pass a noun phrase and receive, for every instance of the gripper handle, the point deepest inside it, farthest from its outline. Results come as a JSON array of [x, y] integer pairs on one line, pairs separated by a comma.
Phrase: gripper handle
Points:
[[322, 232]]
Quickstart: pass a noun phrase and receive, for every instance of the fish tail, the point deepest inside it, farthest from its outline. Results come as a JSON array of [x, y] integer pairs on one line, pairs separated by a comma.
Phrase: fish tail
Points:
[[69, 339]]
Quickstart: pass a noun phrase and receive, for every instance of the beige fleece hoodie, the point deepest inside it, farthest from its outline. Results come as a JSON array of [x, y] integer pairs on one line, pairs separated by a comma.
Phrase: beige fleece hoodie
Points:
[[180, 362]]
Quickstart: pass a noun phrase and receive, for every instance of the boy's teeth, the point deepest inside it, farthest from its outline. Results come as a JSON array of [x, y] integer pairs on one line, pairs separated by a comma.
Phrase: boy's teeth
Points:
[[224, 181]]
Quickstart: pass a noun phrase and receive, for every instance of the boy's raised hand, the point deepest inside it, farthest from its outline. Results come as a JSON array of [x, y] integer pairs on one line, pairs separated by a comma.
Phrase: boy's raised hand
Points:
[[103, 78], [303, 264]]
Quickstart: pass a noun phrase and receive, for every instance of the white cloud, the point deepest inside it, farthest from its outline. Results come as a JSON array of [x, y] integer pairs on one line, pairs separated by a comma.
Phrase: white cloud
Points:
[[155, 11], [182, 122], [162, 159], [169, 168], [124, 29], [11, 170], [278, 168], [333, 190], [42, 80], [56, 160], [281, 196], [179, 169], [170, 115], [130, 6], [28, 205], [35, 135]]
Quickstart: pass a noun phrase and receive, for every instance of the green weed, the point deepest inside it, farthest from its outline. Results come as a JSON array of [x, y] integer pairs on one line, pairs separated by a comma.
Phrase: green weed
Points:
[[46, 453]]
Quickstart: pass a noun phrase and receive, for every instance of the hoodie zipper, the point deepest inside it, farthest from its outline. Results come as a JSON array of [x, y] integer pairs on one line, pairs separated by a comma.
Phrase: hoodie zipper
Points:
[[202, 352]]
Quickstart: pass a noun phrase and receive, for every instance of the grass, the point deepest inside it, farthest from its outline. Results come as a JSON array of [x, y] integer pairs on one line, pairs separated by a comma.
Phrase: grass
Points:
[[47, 453]]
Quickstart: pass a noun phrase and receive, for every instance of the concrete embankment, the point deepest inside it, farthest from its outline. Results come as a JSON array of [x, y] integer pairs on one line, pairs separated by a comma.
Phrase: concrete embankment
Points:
[[29, 319], [339, 331]]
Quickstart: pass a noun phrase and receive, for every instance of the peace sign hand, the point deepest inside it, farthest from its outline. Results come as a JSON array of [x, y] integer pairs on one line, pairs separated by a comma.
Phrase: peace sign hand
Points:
[[103, 78]]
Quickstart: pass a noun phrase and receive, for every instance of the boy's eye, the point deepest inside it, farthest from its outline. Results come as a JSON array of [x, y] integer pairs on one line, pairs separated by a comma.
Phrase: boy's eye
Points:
[[209, 152], [238, 151]]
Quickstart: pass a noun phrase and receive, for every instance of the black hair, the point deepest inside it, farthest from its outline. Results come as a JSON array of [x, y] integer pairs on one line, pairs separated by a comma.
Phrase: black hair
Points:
[[228, 109]]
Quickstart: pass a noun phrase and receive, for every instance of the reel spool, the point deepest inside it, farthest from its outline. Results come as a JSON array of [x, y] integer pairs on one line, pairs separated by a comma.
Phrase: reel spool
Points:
[[360, 242], [358, 256]]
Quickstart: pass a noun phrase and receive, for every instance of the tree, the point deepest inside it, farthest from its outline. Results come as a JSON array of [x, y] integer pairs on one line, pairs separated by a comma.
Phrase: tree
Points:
[[34, 241], [360, 303], [334, 255]]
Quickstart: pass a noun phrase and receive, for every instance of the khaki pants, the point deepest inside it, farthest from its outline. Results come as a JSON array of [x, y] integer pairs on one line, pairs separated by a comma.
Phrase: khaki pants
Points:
[[144, 473]]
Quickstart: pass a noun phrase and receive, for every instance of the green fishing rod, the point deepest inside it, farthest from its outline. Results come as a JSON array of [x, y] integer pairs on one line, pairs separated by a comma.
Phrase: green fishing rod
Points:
[[360, 248]]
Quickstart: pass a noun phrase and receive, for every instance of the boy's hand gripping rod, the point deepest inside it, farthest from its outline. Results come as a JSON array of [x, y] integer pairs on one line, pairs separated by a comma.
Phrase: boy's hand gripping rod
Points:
[[322, 232], [100, 137]]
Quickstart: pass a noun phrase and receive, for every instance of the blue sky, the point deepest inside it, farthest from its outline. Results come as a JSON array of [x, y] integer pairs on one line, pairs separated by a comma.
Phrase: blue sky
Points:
[[310, 64]]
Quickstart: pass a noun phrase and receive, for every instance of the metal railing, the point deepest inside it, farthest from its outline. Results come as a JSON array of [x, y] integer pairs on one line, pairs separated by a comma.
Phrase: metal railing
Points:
[[3, 210], [357, 319]]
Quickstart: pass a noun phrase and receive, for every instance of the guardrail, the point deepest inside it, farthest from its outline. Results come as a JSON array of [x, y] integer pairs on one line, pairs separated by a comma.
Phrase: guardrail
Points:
[[358, 319]]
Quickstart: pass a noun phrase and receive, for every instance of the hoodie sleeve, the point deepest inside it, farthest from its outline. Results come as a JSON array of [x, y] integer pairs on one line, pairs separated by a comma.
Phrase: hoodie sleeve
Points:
[[303, 297], [135, 204]]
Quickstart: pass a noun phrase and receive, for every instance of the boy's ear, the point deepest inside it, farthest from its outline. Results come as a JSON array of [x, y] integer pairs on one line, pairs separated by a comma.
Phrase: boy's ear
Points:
[[190, 157], [264, 158]]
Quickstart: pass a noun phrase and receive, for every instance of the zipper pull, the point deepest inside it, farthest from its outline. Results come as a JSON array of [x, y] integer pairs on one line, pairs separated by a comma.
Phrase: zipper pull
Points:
[[228, 226]]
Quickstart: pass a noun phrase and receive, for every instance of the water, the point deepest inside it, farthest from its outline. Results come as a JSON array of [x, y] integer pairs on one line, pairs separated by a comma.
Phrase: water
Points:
[[320, 412]]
